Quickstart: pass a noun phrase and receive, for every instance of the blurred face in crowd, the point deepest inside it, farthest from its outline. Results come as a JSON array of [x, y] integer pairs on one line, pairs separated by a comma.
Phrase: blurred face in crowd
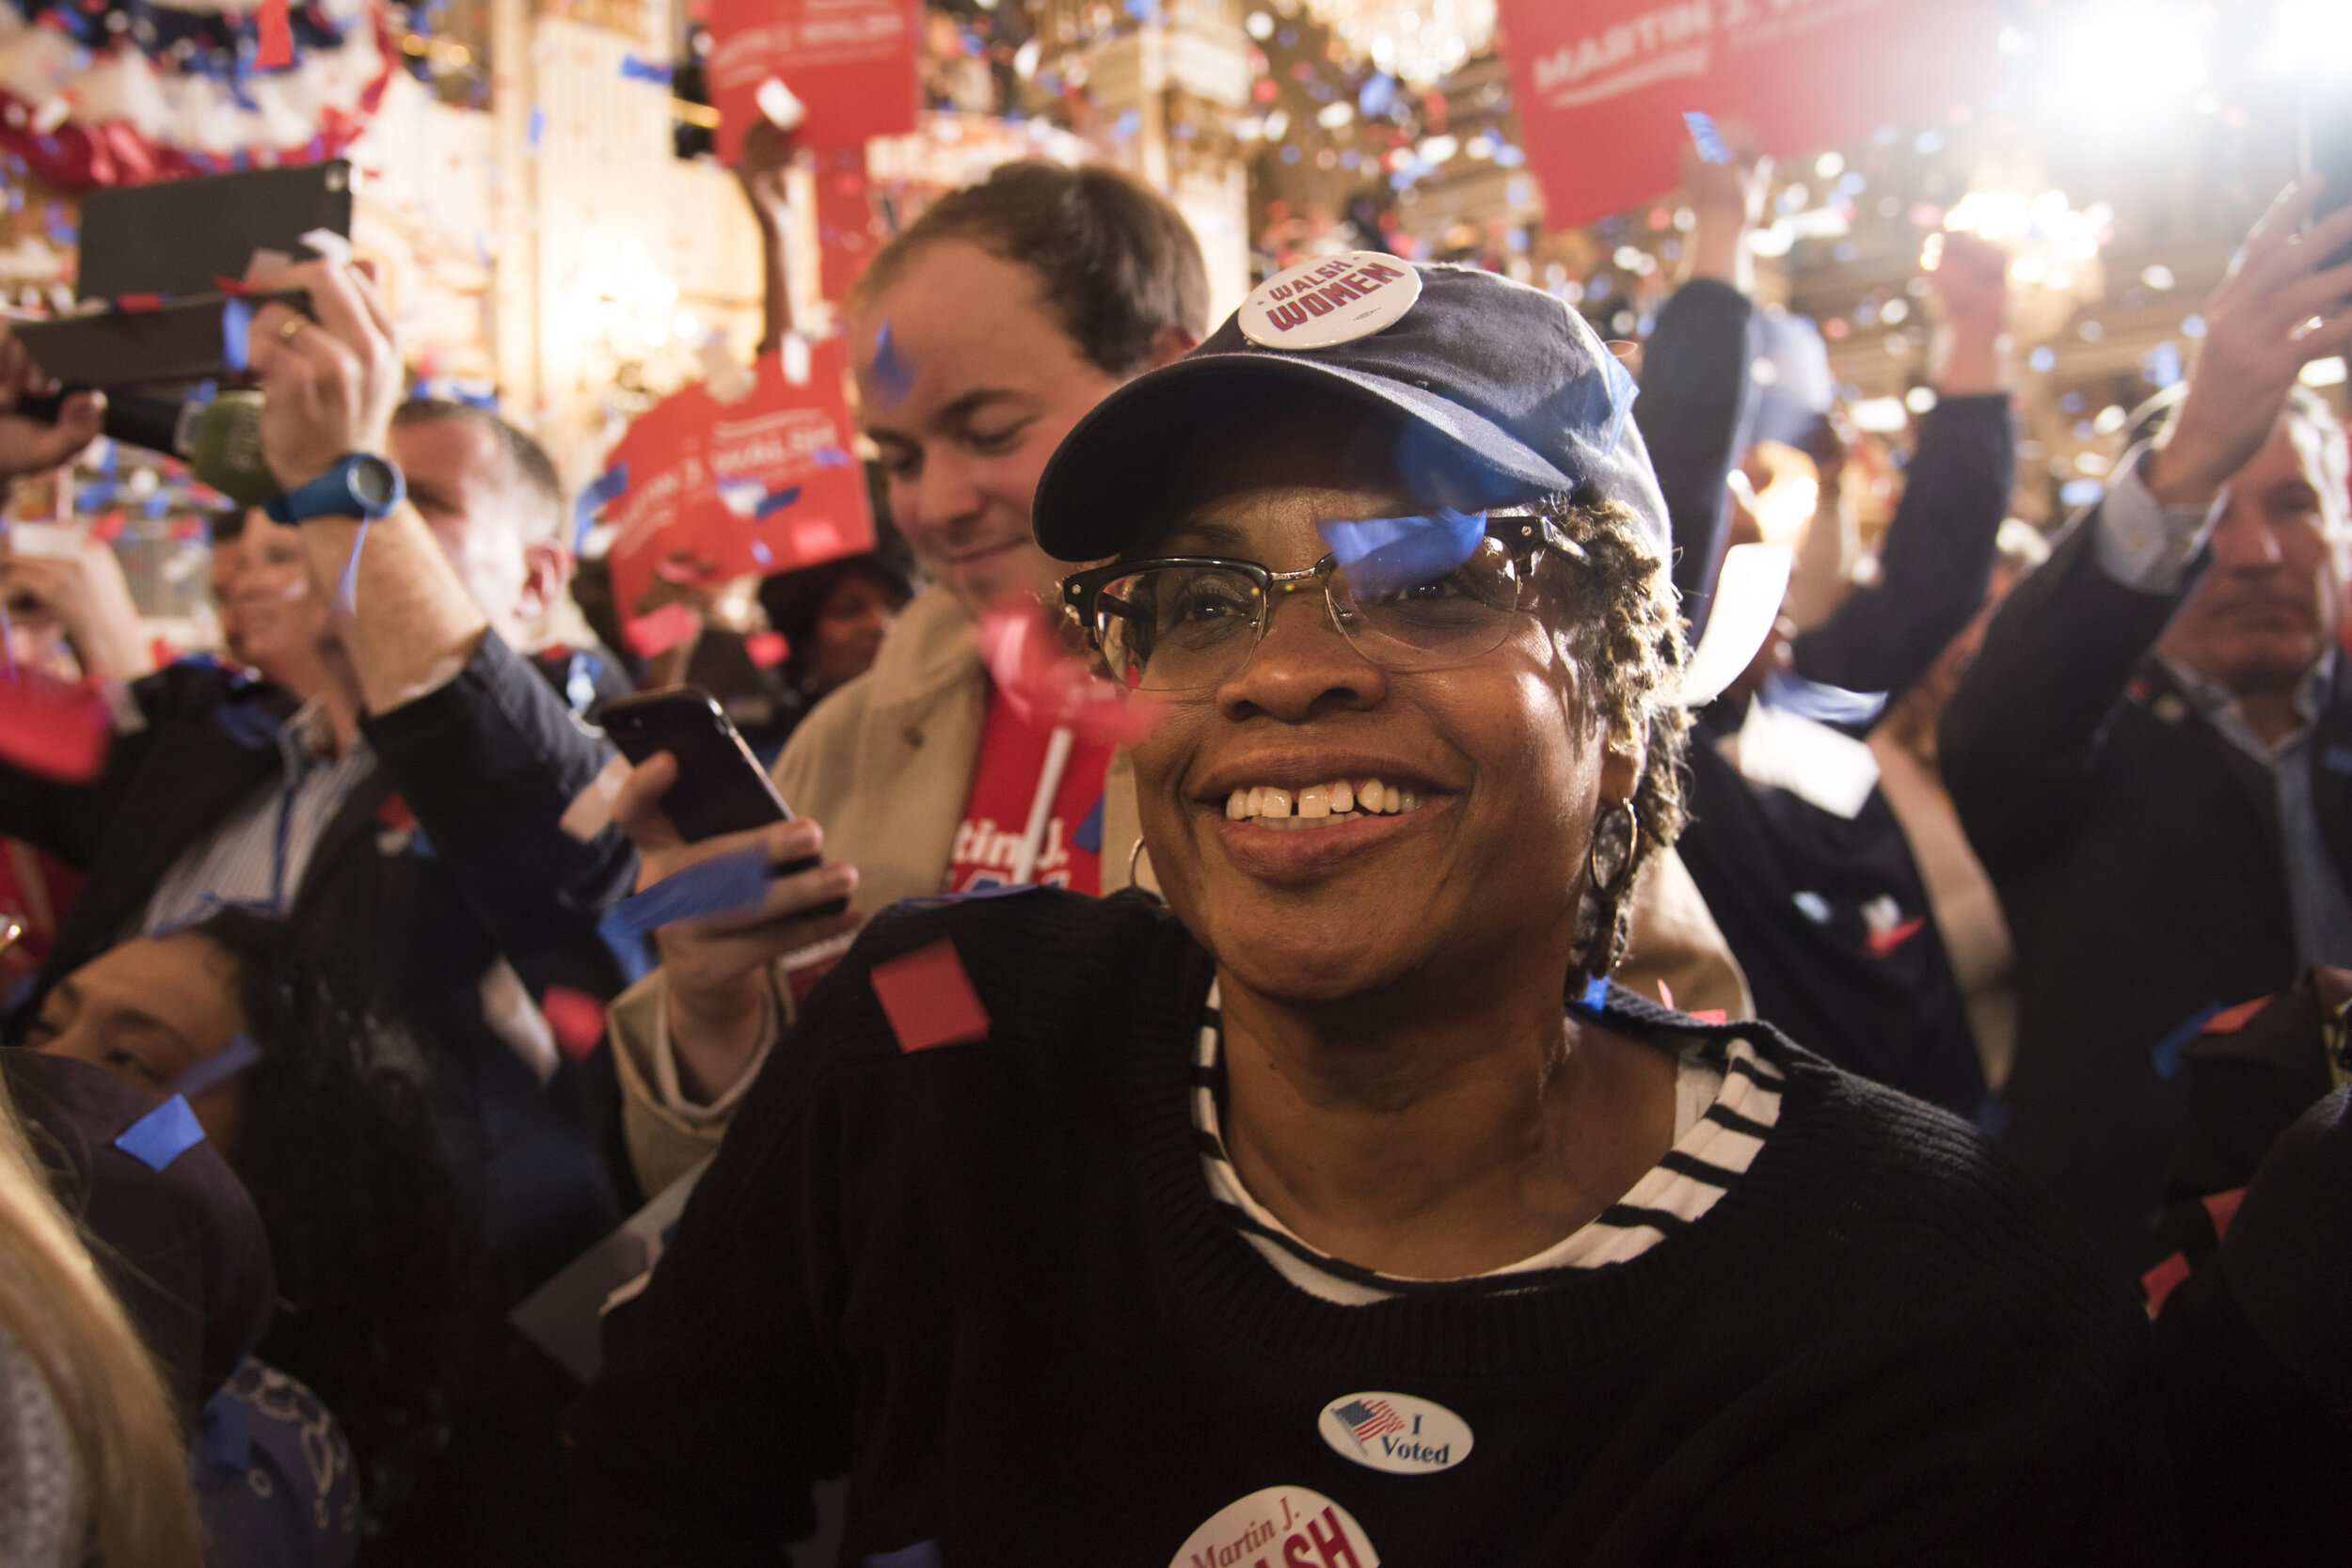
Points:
[[284, 620], [224, 583], [484, 516], [978, 386], [1502, 761], [2271, 602], [146, 1012], [850, 628]]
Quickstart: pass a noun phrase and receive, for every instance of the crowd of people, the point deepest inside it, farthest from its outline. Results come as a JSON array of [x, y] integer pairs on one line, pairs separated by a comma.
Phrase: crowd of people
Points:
[[1451, 1088]]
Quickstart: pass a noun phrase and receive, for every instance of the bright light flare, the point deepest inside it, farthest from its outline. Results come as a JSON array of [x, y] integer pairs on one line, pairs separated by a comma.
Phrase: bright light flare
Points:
[[2124, 66]]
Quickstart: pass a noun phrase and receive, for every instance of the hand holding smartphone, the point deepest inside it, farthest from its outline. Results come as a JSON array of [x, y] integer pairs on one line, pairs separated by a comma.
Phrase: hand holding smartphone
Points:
[[720, 787]]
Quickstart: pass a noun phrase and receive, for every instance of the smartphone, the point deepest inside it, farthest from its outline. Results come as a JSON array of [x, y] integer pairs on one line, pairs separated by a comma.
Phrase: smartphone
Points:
[[720, 787]]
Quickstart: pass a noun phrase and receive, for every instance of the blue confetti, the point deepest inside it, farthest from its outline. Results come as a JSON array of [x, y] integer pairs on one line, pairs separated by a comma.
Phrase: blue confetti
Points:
[[250, 725], [1129, 122], [611, 483], [580, 681], [772, 504], [2337, 759], [1389, 555], [832, 457], [984, 890], [1595, 996], [731, 883], [1379, 91], [347, 588], [2165, 1057], [1089, 835], [890, 370], [923, 1554], [161, 1135], [239, 1054], [636, 70], [1704, 136], [236, 325], [761, 553], [536, 128]]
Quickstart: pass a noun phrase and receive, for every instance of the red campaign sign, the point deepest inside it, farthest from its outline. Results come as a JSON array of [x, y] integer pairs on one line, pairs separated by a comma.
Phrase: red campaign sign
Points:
[[1602, 86], [852, 63], [750, 488]]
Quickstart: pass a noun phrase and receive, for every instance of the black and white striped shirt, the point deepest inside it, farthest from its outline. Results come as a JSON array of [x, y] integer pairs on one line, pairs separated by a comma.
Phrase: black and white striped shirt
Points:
[[1727, 1101]]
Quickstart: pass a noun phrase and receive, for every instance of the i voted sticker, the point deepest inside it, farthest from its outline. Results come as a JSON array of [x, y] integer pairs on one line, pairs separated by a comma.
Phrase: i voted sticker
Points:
[[1331, 299], [1282, 1527], [1396, 1432]]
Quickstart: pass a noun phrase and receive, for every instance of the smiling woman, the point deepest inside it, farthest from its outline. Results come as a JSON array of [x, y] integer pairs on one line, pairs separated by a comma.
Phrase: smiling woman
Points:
[[1341, 1210]]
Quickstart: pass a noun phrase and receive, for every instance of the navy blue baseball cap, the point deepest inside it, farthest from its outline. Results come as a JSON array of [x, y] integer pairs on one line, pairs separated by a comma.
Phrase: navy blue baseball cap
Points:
[[1492, 378]]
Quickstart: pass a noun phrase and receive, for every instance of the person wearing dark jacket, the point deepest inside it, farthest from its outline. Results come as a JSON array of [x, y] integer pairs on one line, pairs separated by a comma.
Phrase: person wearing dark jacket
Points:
[[404, 818], [1297, 1219], [1814, 884], [2153, 752]]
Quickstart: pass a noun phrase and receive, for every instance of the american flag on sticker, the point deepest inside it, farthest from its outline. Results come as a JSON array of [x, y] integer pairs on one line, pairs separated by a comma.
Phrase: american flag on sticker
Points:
[[1370, 1418]]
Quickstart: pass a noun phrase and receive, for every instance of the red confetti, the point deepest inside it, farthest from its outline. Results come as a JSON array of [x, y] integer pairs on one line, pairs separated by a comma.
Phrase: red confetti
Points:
[[107, 529], [59, 729], [767, 649], [394, 813], [138, 303], [1880, 943], [1712, 1015], [1048, 685], [929, 998], [2222, 1208], [2162, 1280], [661, 630], [2229, 1021], [162, 652], [231, 285], [576, 1018], [273, 46]]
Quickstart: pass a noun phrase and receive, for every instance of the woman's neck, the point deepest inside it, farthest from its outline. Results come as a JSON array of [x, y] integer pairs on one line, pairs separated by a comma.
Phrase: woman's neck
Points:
[[1436, 1138]]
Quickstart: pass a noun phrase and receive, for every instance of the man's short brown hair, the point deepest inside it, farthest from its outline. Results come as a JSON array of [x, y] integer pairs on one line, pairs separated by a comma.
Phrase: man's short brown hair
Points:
[[1116, 264]]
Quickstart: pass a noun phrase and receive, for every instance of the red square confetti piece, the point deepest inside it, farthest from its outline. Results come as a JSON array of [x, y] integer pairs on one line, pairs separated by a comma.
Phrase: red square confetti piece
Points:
[[2229, 1021], [2222, 1208], [2162, 1280], [108, 529], [929, 998], [1880, 943], [661, 630], [1710, 1015], [576, 1019], [767, 649]]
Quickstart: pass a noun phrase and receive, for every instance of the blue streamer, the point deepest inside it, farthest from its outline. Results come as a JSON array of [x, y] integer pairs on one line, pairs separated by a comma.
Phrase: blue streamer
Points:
[[891, 372], [239, 1054], [1709, 140], [236, 324], [1089, 835], [1389, 555], [161, 1135], [347, 590], [771, 504], [611, 483], [730, 885], [2165, 1057]]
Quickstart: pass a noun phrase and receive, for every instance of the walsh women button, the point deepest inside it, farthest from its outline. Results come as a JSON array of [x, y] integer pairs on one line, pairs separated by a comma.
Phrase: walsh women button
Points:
[[1331, 299], [1282, 1526], [1395, 1432]]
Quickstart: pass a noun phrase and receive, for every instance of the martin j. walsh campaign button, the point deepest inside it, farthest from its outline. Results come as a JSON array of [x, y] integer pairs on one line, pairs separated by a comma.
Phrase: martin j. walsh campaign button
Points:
[[1328, 300], [1282, 1527], [1396, 1432]]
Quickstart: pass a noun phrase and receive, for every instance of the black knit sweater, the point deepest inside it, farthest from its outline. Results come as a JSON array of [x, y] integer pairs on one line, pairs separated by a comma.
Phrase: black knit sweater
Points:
[[987, 1281]]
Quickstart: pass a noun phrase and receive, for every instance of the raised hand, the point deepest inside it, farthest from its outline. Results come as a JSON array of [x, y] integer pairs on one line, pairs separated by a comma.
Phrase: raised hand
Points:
[[2275, 313]]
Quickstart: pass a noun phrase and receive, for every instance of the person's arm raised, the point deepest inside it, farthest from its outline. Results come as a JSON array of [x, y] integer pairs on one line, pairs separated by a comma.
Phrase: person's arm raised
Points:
[[2273, 314], [328, 389]]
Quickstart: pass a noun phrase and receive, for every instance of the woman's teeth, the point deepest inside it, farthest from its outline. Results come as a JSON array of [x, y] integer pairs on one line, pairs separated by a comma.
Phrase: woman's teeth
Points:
[[1319, 806]]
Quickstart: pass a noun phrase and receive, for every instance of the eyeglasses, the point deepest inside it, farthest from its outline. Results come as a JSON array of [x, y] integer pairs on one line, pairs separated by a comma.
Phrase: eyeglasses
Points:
[[1191, 623]]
